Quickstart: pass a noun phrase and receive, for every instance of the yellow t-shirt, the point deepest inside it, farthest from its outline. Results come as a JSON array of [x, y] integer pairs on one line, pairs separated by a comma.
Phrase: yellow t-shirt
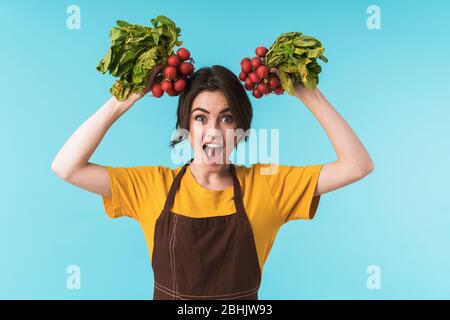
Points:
[[270, 200]]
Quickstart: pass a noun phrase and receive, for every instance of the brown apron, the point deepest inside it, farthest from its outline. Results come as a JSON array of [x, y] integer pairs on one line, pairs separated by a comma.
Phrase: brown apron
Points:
[[205, 258]]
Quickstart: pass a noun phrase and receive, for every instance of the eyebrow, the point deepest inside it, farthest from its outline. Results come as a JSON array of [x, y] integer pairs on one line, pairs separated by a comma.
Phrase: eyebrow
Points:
[[204, 110]]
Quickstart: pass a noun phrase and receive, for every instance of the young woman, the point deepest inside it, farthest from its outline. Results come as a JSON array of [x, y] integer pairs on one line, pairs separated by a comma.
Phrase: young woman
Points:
[[209, 224]]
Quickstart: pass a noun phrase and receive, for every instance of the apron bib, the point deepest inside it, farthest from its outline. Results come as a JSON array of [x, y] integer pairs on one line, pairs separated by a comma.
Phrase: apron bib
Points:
[[205, 258]]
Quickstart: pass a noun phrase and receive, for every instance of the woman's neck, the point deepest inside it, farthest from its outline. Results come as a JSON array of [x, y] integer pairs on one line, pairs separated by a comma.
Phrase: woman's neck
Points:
[[213, 179]]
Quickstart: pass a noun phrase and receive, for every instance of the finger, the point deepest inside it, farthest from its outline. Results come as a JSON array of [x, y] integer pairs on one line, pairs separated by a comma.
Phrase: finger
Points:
[[156, 69], [153, 73], [274, 70]]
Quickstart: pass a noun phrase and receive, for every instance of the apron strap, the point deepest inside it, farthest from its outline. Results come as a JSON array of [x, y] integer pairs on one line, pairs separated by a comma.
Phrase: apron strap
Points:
[[174, 187], [238, 203]]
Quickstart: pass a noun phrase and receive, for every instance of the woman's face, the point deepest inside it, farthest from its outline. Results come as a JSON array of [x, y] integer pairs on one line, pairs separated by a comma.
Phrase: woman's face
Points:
[[211, 122]]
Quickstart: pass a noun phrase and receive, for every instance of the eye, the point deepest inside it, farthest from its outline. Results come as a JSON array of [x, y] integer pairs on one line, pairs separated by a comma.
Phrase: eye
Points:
[[199, 118], [227, 118]]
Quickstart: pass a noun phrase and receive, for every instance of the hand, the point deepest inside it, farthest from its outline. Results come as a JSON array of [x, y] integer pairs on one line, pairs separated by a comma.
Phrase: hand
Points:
[[300, 91], [134, 97]]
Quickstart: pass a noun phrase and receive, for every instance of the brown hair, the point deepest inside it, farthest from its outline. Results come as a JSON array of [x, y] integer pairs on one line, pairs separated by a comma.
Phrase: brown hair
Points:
[[214, 78]]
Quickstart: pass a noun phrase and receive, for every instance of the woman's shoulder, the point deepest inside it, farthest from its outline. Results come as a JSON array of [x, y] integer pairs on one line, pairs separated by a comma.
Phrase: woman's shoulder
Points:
[[256, 168], [146, 171]]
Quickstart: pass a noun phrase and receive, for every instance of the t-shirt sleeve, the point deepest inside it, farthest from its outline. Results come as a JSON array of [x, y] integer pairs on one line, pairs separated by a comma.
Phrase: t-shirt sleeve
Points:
[[292, 188], [130, 190]]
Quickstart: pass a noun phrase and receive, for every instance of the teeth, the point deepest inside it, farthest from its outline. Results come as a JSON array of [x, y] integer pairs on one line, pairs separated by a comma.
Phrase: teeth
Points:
[[213, 145]]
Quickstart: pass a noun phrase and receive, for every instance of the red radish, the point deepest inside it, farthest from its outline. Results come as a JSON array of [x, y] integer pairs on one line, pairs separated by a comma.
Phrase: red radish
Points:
[[255, 79], [269, 89], [176, 73], [186, 68], [166, 85], [172, 92], [262, 71], [183, 54], [173, 61], [263, 88], [256, 62], [274, 82], [157, 91], [246, 60], [249, 86], [185, 78], [170, 72], [179, 85], [256, 93], [279, 90], [261, 52], [246, 67], [249, 82]]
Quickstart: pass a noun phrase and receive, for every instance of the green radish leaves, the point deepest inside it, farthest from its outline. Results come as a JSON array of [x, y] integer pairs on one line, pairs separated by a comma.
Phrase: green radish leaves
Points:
[[135, 50], [295, 56]]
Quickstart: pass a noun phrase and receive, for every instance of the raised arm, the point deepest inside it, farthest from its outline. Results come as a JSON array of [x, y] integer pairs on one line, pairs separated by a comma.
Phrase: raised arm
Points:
[[353, 161], [72, 161]]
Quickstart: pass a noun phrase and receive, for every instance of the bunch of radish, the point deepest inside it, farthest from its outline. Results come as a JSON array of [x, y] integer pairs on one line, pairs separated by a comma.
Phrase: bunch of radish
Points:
[[257, 77], [174, 75]]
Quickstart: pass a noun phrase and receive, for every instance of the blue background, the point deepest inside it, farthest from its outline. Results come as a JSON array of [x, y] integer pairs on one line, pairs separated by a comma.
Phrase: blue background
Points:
[[391, 86]]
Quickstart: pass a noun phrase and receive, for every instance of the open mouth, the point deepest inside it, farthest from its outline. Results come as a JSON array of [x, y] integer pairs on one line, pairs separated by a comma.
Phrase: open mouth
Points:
[[213, 152]]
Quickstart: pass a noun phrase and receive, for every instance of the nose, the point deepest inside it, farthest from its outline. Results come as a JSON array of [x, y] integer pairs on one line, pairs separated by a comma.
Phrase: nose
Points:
[[212, 133], [212, 129]]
